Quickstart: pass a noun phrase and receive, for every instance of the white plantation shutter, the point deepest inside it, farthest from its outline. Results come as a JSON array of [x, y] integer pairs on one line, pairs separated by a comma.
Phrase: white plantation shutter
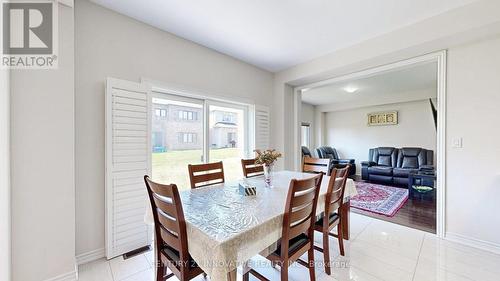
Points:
[[262, 127], [128, 153]]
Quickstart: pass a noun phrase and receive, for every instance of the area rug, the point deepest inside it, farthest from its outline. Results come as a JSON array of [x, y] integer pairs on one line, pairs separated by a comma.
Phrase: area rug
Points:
[[379, 199]]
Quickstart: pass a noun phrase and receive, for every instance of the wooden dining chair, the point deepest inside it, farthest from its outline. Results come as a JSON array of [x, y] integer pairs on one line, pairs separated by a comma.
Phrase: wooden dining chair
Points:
[[251, 169], [170, 233], [206, 174], [297, 236], [315, 165], [333, 201]]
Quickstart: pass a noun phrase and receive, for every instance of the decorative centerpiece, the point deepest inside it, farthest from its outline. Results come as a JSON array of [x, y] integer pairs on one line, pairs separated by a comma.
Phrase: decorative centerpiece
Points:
[[267, 158]]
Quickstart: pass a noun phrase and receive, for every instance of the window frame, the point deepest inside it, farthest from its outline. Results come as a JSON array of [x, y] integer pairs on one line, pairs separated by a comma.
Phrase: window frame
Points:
[[308, 140]]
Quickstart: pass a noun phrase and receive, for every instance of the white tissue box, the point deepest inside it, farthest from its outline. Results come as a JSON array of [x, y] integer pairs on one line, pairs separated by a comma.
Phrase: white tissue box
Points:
[[247, 189]]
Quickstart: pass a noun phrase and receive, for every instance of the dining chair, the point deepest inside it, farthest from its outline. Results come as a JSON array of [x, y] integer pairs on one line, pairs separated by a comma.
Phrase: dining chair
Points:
[[170, 233], [206, 174], [333, 201], [251, 169], [297, 236], [315, 165]]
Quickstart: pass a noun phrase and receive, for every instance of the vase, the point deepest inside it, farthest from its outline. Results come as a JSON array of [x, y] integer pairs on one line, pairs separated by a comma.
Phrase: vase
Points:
[[268, 175]]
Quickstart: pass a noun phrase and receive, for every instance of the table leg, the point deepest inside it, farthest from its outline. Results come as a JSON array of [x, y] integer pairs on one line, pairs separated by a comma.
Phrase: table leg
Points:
[[246, 269], [345, 213], [231, 276], [410, 186]]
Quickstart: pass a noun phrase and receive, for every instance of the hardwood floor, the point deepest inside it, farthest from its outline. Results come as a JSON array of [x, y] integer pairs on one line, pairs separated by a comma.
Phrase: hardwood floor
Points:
[[416, 213]]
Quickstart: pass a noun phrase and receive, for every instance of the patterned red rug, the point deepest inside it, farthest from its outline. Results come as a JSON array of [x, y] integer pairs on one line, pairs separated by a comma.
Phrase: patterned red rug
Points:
[[379, 199]]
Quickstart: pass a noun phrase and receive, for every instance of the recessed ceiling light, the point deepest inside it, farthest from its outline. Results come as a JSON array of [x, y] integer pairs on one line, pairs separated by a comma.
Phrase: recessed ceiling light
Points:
[[350, 89]]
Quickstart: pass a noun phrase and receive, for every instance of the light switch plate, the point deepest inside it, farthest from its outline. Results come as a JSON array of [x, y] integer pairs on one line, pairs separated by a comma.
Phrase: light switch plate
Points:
[[457, 142]]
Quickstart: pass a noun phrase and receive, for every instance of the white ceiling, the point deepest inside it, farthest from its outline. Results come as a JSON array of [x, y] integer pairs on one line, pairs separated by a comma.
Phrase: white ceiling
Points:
[[277, 34], [381, 87]]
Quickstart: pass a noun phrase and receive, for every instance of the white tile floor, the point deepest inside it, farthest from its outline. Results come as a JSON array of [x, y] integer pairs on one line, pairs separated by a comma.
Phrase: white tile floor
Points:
[[378, 250]]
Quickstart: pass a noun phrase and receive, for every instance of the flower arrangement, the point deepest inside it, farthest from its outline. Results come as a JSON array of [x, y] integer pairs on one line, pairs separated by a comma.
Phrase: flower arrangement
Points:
[[266, 157]]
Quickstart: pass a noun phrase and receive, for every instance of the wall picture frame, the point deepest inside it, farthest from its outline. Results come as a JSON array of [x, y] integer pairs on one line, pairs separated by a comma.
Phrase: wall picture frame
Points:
[[383, 118]]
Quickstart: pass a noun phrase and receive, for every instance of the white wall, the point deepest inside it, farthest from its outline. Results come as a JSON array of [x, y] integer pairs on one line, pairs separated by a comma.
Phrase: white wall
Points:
[[308, 116], [42, 147], [5, 226], [349, 133], [110, 44], [473, 172]]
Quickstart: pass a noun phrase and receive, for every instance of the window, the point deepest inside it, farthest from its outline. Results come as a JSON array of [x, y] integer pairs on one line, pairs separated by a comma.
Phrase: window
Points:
[[187, 137], [227, 117], [195, 133], [305, 134], [159, 112], [188, 115]]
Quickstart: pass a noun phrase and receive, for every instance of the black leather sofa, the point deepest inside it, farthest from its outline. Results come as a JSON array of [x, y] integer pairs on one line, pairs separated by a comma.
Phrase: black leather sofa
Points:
[[336, 162], [389, 165]]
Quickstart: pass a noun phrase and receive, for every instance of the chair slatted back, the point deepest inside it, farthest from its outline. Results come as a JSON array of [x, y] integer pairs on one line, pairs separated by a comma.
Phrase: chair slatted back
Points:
[[251, 169], [315, 165], [206, 174], [336, 187], [170, 225], [300, 209]]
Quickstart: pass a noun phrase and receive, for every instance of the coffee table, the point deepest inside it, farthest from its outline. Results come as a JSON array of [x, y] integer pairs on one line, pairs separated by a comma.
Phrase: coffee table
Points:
[[421, 179]]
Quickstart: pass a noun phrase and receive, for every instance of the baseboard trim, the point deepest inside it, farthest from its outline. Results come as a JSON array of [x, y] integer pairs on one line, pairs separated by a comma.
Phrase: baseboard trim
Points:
[[473, 242], [70, 276], [90, 256]]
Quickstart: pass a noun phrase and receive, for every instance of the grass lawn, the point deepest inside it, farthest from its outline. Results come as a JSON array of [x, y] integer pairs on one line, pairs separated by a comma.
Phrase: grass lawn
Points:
[[172, 167]]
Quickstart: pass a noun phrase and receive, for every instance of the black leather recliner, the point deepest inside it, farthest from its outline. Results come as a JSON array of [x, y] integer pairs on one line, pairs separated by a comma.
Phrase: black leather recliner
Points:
[[331, 153], [411, 160], [389, 165], [381, 162], [306, 152]]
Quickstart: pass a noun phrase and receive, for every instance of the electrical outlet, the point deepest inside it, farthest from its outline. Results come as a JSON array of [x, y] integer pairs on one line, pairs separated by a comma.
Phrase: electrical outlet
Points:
[[457, 143]]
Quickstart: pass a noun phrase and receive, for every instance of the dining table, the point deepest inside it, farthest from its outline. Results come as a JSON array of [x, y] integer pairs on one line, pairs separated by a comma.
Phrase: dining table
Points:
[[225, 228]]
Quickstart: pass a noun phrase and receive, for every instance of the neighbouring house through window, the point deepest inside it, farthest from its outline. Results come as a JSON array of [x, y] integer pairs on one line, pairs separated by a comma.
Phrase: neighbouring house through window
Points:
[[158, 139], [198, 131]]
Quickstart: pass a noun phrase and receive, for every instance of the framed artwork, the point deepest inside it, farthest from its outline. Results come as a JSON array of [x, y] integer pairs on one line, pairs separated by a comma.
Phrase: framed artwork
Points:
[[383, 118]]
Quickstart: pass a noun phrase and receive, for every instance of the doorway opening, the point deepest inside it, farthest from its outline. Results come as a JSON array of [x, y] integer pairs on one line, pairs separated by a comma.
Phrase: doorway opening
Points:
[[390, 121]]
